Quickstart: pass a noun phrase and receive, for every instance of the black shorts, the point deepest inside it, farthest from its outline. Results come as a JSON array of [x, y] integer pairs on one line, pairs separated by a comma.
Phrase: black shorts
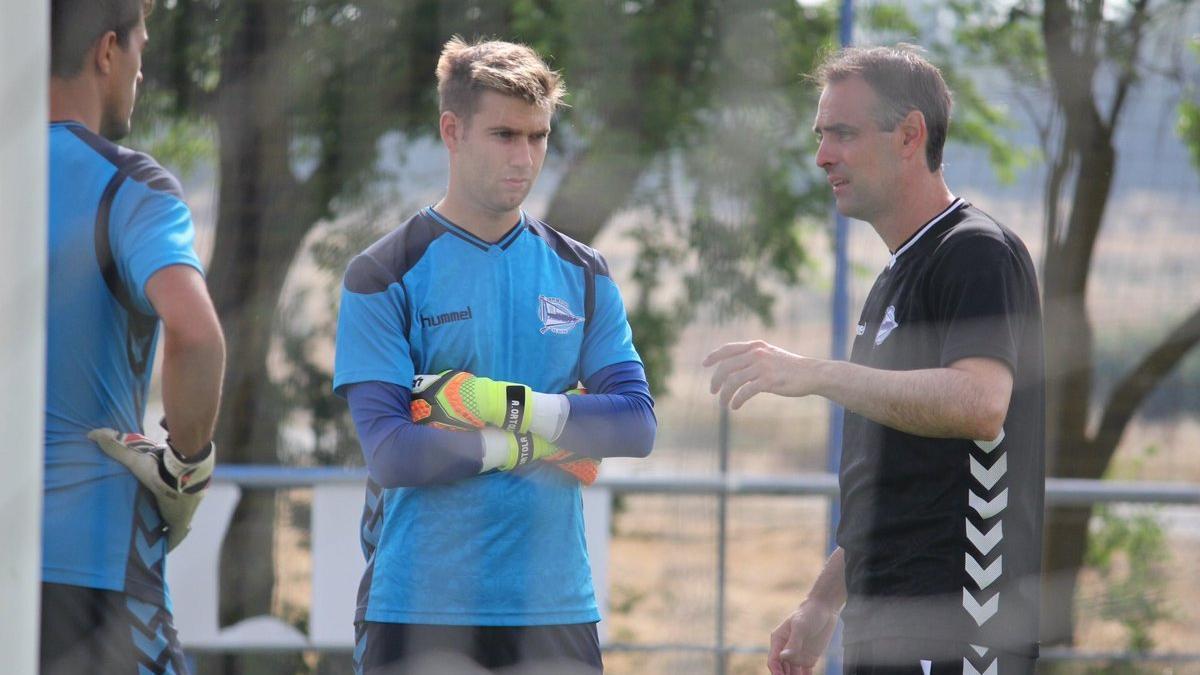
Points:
[[896, 656], [404, 649], [89, 630]]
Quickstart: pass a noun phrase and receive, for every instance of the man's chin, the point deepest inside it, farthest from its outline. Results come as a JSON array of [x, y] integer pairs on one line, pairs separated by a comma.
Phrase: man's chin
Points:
[[510, 202], [115, 130], [846, 208]]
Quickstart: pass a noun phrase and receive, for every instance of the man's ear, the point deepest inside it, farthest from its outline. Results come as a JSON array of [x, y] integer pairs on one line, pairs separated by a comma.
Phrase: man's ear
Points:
[[451, 127], [104, 52], [913, 134]]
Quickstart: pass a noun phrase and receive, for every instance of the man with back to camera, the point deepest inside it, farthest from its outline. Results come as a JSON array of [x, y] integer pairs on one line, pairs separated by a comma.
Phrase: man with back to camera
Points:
[[121, 260], [942, 481], [474, 540]]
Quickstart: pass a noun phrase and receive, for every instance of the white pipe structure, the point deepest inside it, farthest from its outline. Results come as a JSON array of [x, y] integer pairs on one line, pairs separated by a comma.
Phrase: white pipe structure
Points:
[[24, 69]]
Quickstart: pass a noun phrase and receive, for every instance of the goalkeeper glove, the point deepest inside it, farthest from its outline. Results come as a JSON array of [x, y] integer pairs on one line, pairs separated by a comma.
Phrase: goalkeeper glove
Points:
[[457, 399], [505, 450], [177, 483], [584, 469]]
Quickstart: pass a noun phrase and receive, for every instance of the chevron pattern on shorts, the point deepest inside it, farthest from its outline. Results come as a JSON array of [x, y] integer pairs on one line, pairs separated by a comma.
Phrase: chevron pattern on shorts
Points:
[[144, 561], [360, 648], [152, 634]]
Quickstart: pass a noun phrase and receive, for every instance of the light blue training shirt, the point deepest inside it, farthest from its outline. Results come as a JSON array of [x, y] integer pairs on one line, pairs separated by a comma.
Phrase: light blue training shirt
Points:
[[535, 307], [116, 217]]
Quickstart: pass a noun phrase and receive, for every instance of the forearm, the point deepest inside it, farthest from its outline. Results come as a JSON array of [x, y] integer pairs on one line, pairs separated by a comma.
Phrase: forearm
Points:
[[936, 402], [829, 589], [617, 420], [399, 453], [193, 366]]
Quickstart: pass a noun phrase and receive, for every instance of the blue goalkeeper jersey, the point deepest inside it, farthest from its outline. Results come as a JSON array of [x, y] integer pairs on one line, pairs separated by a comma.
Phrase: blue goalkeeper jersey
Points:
[[116, 218], [503, 549]]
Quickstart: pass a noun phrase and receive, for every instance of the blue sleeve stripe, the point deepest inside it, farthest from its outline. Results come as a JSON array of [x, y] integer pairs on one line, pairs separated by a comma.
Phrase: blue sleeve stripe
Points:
[[589, 298], [139, 339], [568, 249], [104, 255], [576, 254]]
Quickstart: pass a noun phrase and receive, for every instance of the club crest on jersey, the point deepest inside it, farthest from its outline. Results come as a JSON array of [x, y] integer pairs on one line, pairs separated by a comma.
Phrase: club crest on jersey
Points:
[[556, 316], [888, 325]]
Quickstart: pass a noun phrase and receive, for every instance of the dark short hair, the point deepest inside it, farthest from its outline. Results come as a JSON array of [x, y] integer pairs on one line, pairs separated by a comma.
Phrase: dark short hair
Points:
[[904, 81], [465, 70], [75, 25]]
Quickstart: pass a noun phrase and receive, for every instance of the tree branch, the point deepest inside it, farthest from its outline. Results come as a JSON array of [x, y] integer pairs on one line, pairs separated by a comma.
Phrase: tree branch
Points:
[[1133, 389], [1129, 70]]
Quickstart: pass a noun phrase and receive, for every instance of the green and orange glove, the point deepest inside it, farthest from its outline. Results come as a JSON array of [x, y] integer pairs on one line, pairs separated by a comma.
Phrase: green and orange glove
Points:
[[456, 399]]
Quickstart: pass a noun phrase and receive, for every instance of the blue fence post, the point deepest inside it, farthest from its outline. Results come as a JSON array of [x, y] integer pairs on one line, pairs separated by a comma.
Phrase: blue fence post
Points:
[[722, 663], [840, 326]]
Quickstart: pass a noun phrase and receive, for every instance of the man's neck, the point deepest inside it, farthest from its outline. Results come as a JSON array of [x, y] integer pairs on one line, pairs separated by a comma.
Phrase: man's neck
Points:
[[488, 225], [75, 100], [915, 207]]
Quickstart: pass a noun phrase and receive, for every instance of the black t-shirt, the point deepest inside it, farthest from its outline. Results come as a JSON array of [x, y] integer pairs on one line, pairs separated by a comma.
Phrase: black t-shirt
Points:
[[943, 536]]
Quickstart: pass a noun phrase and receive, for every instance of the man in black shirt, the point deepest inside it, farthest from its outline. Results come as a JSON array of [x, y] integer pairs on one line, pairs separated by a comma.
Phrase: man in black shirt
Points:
[[942, 483]]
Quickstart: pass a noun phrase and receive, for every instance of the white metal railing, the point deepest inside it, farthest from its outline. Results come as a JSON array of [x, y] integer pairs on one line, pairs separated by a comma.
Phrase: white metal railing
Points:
[[337, 562]]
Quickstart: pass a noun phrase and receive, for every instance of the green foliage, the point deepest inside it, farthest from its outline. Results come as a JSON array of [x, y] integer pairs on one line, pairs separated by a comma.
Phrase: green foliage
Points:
[[1189, 129], [182, 142], [706, 97], [718, 218], [1188, 126], [306, 333], [1130, 553]]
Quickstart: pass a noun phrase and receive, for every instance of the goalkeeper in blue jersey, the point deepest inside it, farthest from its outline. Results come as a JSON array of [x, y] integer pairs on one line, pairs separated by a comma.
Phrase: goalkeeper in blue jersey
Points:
[[120, 262], [475, 541]]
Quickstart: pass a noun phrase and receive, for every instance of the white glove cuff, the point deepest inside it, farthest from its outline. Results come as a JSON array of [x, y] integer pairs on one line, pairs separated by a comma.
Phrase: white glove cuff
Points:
[[496, 449], [189, 471], [549, 415]]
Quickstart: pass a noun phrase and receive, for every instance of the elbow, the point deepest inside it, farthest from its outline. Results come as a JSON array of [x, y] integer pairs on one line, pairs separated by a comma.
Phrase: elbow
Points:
[[389, 474], [643, 444], [195, 337], [988, 423], [387, 479]]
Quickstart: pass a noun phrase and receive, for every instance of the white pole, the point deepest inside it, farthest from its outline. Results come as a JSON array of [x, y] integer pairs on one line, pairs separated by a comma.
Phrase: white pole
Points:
[[24, 68]]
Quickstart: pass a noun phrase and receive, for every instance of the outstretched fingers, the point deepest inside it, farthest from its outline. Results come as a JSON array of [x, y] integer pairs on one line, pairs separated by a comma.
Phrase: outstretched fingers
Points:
[[727, 350]]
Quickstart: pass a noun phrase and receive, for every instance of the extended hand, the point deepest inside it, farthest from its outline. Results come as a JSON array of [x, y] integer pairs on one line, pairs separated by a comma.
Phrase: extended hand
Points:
[[800, 639], [177, 483], [748, 368]]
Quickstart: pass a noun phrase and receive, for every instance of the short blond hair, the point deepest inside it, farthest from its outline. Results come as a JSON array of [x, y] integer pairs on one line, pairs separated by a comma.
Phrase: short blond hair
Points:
[[465, 71]]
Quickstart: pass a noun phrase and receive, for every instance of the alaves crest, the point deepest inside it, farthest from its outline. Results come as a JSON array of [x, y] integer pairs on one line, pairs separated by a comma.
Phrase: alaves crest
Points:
[[556, 316]]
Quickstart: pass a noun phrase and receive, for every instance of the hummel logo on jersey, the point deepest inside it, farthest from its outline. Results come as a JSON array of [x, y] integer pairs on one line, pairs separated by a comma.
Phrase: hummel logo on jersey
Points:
[[889, 324], [556, 316], [447, 317]]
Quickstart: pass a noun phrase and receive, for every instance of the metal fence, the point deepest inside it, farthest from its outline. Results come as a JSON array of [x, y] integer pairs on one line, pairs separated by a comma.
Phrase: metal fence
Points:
[[722, 487]]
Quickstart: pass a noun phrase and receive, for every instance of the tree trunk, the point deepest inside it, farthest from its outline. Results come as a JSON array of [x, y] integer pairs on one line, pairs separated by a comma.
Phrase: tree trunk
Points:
[[597, 183], [260, 225], [1069, 347]]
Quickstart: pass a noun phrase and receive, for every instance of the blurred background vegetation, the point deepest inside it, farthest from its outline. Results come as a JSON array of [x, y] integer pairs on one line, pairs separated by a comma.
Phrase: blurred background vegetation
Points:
[[307, 128]]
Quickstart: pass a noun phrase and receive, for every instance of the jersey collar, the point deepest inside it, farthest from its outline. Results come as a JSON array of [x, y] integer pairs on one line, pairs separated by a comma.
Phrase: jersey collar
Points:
[[482, 244], [954, 206]]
